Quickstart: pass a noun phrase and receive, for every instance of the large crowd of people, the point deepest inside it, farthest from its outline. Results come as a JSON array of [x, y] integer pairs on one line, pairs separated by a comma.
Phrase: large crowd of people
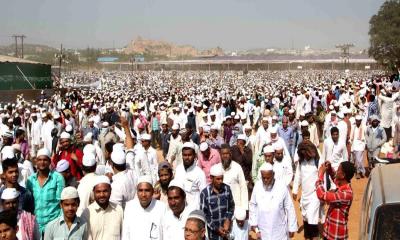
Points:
[[193, 155]]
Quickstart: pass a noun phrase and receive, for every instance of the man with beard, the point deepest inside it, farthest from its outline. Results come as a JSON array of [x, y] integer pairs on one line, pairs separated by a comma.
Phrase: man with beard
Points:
[[143, 214], [175, 217], [244, 157], [175, 142], [234, 178], [103, 218], [216, 201], [165, 176], [271, 210], [375, 138], [193, 178], [68, 225]]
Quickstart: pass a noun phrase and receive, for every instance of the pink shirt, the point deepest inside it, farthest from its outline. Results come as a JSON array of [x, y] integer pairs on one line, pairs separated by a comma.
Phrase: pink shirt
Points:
[[206, 164]]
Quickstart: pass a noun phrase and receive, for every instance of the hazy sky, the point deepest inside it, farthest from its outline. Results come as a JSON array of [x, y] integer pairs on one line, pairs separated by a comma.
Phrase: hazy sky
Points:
[[231, 24]]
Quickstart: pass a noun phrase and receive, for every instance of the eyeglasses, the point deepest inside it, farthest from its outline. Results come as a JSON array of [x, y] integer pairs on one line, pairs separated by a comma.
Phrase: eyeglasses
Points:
[[191, 231]]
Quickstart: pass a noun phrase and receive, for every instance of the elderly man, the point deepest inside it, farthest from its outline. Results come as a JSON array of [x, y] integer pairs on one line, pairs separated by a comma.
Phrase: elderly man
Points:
[[272, 214], [46, 186], [375, 138], [104, 218], [175, 217], [244, 157], [193, 178], [28, 226], [234, 178], [207, 158], [70, 153], [216, 201], [195, 227], [144, 214], [69, 225]]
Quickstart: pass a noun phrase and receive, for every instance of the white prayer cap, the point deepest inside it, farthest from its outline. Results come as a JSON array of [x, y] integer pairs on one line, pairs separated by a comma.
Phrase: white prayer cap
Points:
[[197, 214], [43, 152], [242, 137], [291, 111], [56, 115], [9, 194], [7, 134], [44, 115], [273, 130], [331, 107], [374, 117], [358, 117], [89, 159], [212, 113], [274, 117], [268, 149], [214, 127], [337, 104], [189, 145], [216, 170], [247, 126], [105, 124], [237, 117], [175, 126], [266, 166], [265, 118], [118, 157], [145, 179], [89, 148], [243, 117], [333, 112], [33, 115], [68, 128], [10, 120], [304, 123], [101, 179], [7, 152], [340, 115], [65, 135], [62, 166], [277, 146], [176, 183], [233, 114], [240, 214], [203, 146], [69, 193], [204, 106], [91, 119], [118, 147], [146, 137], [88, 137], [206, 128]]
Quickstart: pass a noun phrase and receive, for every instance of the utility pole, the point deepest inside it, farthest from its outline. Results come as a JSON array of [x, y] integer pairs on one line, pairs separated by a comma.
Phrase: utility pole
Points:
[[16, 45], [345, 52], [60, 57], [22, 45]]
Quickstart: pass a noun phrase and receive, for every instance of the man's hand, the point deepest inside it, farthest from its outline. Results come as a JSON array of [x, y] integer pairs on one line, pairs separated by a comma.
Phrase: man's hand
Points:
[[124, 122], [227, 225], [322, 169], [221, 232], [291, 234]]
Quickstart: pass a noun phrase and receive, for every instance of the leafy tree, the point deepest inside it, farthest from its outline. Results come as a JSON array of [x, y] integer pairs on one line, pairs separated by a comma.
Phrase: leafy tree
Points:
[[384, 35]]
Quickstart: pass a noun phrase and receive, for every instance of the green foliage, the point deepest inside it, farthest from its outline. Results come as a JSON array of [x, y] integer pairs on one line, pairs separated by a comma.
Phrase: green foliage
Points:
[[384, 35]]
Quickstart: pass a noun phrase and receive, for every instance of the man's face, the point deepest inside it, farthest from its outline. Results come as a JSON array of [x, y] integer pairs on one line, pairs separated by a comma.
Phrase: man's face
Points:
[[188, 157], [339, 173], [247, 132], [268, 157], [206, 153], [64, 143], [176, 201], [274, 135], [7, 232], [335, 136], [66, 174], [267, 178], [217, 181], [164, 127], [375, 123], [12, 174], [165, 177], [358, 123], [284, 123], [175, 133], [69, 207], [192, 231], [226, 157], [278, 155], [11, 204], [240, 223], [241, 143], [102, 193], [145, 143], [145, 194], [91, 124], [265, 124], [42, 163]]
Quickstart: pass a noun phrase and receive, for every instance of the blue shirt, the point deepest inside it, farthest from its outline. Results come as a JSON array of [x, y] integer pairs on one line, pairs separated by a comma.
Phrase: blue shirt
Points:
[[58, 229], [46, 197]]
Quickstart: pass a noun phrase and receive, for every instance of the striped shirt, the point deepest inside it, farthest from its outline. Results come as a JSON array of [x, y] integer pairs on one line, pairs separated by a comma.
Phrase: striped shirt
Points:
[[46, 197], [217, 207]]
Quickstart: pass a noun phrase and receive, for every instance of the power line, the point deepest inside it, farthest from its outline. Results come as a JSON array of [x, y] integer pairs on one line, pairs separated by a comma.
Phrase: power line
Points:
[[21, 37]]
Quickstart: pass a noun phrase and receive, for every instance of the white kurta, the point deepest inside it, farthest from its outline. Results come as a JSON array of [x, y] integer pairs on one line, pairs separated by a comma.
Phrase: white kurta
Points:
[[140, 223], [85, 189], [173, 228], [36, 129], [272, 211], [149, 155], [123, 187], [306, 176], [194, 181], [334, 153], [234, 178], [46, 134]]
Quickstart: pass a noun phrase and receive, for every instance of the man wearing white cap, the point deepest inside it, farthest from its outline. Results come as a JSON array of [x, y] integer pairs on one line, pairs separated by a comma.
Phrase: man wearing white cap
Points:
[[146, 160], [175, 217], [85, 187], [63, 169], [272, 214], [216, 201], [47, 127], [240, 226], [46, 186], [106, 135], [343, 129], [282, 164], [207, 157], [103, 218], [68, 225], [28, 226], [175, 143], [375, 138], [195, 227], [123, 179], [34, 133], [357, 141], [244, 157], [144, 214], [262, 135], [193, 178], [234, 177], [91, 128]]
